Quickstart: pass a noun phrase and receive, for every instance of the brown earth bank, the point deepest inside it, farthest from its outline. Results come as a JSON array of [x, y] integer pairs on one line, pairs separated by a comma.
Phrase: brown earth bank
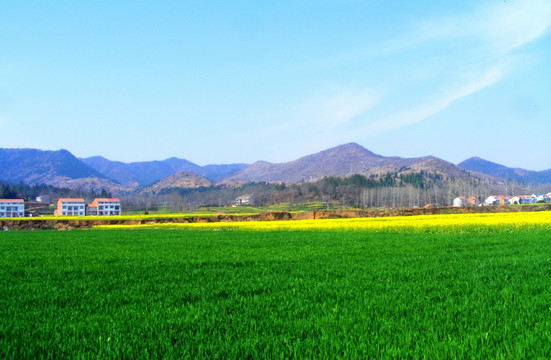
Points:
[[86, 223]]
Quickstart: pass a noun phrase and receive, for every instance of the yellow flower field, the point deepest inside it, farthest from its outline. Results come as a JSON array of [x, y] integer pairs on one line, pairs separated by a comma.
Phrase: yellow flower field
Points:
[[498, 222]]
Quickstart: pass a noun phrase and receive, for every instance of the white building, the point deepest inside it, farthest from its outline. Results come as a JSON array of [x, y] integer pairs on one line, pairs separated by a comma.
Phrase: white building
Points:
[[43, 199], [459, 202], [530, 199], [523, 199], [12, 208], [70, 207], [245, 200], [105, 207], [497, 200]]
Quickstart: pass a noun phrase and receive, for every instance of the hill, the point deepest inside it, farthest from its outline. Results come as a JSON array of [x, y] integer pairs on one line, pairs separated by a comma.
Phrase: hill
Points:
[[32, 166], [147, 172], [181, 180], [502, 172], [339, 161]]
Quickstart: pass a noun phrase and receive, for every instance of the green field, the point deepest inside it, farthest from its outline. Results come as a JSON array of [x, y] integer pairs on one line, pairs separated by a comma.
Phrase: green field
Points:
[[278, 294]]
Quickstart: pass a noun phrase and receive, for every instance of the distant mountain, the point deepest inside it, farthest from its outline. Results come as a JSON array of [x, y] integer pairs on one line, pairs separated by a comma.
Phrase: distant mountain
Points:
[[342, 160], [62, 169], [436, 165], [219, 172], [147, 172], [185, 180], [113, 169], [33, 166], [502, 172]]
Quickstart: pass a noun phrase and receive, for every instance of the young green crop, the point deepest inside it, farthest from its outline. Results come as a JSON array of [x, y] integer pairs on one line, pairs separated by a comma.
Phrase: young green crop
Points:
[[276, 294]]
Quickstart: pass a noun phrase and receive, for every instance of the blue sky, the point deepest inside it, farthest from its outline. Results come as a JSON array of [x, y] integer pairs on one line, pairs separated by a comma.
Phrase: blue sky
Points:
[[240, 81]]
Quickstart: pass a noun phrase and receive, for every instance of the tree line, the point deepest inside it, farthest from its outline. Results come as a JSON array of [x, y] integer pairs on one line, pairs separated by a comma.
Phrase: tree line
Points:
[[31, 192], [388, 190]]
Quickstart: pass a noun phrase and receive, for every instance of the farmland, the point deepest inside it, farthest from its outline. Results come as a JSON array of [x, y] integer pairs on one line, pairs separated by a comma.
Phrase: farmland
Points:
[[470, 286]]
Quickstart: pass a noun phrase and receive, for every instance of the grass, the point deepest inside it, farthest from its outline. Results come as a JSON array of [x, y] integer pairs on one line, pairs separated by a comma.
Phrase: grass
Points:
[[275, 294]]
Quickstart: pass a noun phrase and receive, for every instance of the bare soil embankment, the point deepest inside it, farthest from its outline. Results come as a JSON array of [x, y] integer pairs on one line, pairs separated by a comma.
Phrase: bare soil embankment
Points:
[[86, 223]]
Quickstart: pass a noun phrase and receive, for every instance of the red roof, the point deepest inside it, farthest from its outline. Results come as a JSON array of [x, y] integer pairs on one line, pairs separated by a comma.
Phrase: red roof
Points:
[[71, 199], [96, 200], [11, 200]]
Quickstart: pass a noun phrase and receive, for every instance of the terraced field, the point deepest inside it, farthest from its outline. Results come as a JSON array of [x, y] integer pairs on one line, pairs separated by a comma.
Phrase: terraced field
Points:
[[455, 287]]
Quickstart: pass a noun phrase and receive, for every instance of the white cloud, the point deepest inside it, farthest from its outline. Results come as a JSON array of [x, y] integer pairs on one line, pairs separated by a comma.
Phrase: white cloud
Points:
[[511, 24], [337, 109], [321, 112], [497, 26], [442, 101], [489, 37]]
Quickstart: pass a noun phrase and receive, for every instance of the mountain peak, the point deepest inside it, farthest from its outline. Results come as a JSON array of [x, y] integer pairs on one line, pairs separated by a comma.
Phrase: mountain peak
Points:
[[342, 160], [480, 165], [475, 159], [352, 147], [37, 166]]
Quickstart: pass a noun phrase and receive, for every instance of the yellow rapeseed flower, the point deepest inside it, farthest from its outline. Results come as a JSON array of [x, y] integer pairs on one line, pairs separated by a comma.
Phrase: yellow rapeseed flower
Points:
[[493, 222]]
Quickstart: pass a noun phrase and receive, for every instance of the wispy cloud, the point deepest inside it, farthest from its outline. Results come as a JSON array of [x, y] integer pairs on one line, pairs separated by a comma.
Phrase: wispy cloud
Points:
[[442, 101], [498, 25], [508, 25], [336, 109], [322, 112], [487, 41]]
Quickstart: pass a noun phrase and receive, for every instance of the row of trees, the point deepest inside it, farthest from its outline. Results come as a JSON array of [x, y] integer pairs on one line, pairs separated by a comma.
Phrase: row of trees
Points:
[[388, 190], [30, 192]]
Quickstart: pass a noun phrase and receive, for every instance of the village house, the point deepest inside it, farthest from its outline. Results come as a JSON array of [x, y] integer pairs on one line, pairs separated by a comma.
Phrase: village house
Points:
[[515, 200], [523, 199], [12, 208], [43, 199], [459, 202], [245, 200], [497, 200], [473, 201], [104, 207], [70, 207], [463, 201]]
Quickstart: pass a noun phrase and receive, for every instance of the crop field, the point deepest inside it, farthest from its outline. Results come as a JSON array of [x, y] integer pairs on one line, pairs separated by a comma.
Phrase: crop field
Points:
[[418, 287], [456, 223]]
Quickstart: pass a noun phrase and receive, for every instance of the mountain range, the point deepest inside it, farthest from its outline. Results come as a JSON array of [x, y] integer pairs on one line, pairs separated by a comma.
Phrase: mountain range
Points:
[[498, 171], [138, 174], [63, 169]]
